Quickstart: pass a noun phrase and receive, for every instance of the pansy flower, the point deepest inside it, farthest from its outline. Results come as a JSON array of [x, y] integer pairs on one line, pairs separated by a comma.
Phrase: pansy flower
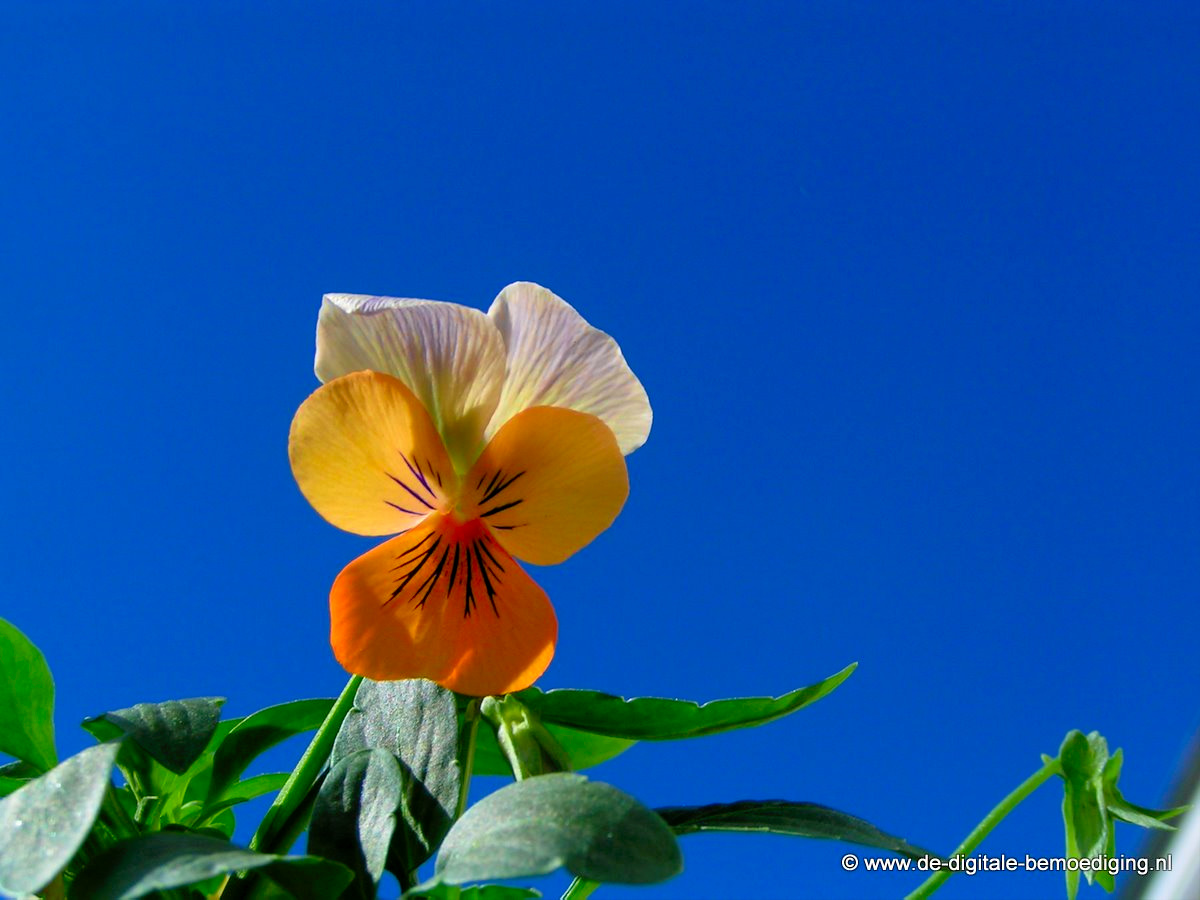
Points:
[[473, 438]]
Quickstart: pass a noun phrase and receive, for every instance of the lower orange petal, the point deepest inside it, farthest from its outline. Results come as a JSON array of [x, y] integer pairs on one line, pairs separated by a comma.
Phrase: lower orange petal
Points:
[[443, 601]]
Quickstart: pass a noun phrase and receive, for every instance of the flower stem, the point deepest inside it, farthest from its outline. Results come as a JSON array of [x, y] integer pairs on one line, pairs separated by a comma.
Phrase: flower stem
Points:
[[579, 889], [990, 821], [267, 839], [471, 726]]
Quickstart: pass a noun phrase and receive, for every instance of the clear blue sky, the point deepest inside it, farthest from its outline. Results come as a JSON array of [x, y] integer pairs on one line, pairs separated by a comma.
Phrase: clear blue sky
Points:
[[914, 295]]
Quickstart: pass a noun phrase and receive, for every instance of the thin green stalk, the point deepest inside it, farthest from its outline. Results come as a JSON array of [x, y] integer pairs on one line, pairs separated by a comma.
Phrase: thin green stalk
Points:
[[990, 821], [579, 889], [269, 836], [471, 725]]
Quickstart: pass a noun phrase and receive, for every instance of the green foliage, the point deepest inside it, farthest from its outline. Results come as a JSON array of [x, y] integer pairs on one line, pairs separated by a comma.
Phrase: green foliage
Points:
[[659, 719], [45, 821], [259, 732], [15, 774], [1091, 801], [165, 860], [590, 727], [173, 733], [808, 820], [416, 721], [26, 700], [560, 820], [354, 818], [474, 892]]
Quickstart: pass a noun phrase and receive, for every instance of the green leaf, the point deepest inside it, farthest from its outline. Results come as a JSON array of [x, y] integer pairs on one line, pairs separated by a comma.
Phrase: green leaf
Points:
[[355, 816], [808, 820], [46, 821], [583, 748], [415, 720], [259, 732], [26, 700], [1122, 809], [659, 719], [246, 789], [560, 820], [475, 892], [1085, 814], [172, 859], [173, 733], [16, 774]]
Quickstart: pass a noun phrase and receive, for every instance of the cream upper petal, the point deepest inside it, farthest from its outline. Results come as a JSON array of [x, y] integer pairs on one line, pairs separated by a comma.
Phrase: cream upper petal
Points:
[[450, 356], [555, 358]]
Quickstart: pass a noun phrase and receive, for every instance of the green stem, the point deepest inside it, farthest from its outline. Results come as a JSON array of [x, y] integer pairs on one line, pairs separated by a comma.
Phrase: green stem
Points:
[[271, 831], [579, 889], [990, 821], [471, 725]]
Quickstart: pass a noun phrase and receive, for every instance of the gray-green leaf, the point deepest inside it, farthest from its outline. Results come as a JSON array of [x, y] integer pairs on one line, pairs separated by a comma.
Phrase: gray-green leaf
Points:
[[45, 821], [26, 700], [174, 733], [170, 859], [355, 815], [561, 820], [809, 820]]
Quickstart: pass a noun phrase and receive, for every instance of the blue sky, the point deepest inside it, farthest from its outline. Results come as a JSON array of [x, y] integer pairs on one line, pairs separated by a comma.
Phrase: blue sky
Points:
[[913, 293]]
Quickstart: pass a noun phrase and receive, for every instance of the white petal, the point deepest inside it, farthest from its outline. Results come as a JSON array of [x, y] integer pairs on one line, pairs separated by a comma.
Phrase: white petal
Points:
[[450, 356], [555, 358]]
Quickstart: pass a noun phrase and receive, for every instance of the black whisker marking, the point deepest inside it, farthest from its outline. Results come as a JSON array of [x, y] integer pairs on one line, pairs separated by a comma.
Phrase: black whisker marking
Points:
[[417, 496], [431, 581], [453, 568], [470, 600], [498, 488], [418, 472], [487, 582], [415, 546], [501, 508], [411, 512]]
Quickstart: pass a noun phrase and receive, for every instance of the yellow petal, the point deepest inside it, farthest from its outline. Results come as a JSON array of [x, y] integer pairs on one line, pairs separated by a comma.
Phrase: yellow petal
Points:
[[450, 356], [547, 483], [367, 457], [555, 358], [444, 602]]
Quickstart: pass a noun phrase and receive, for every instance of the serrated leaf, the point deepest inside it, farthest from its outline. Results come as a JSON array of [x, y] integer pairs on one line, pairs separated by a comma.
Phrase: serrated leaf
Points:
[[810, 820], [172, 859], [355, 816], [173, 733], [26, 700], [416, 721], [563, 820], [257, 733], [45, 821], [475, 892], [661, 719]]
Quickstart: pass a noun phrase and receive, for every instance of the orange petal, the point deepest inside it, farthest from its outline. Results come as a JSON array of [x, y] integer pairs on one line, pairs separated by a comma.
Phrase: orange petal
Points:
[[548, 483], [445, 602], [367, 456]]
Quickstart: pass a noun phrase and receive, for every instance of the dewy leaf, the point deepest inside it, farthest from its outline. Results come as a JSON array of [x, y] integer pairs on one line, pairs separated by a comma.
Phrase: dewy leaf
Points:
[[259, 732], [26, 700], [171, 859], [44, 822], [660, 719], [415, 720], [561, 820], [355, 815], [174, 733], [786, 817]]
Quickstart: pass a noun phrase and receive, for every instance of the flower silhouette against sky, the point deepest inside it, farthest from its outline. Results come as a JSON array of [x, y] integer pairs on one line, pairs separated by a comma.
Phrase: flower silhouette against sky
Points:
[[474, 438]]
